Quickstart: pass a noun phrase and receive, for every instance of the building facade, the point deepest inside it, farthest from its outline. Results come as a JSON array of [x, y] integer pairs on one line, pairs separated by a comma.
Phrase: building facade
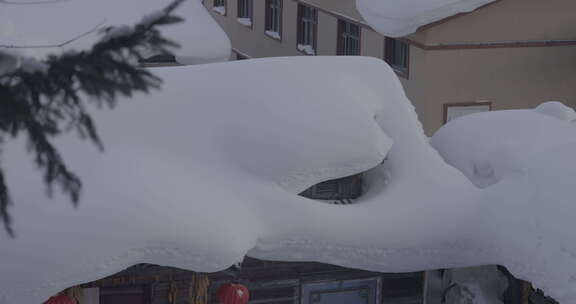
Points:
[[267, 283], [506, 55]]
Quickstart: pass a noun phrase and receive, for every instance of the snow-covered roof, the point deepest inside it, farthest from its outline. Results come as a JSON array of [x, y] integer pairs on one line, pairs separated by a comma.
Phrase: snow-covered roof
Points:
[[398, 18], [490, 147], [524, 159], [208, 170], [201, 39]]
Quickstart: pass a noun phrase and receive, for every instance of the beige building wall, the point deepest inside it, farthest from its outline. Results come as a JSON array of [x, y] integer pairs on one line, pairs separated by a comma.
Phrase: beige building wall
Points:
[[510, 20], [449, 61], [509, 78], [252, 40], [534, 59]]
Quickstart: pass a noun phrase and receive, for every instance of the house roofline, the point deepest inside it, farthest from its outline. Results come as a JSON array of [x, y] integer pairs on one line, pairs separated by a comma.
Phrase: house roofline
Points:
[[456, 16]]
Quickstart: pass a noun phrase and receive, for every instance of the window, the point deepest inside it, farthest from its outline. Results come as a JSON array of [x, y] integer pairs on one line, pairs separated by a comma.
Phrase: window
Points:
[[159, 60], [307, 29], [125, 295], [396, 54], [245, 12], [455, 110], [274, 19], [219, 7], [340, 191], [348, 38], [365, 291]]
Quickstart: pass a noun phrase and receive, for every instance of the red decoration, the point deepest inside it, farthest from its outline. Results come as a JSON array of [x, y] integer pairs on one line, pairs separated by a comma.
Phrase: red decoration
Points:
[[60, 299], [233, 294]]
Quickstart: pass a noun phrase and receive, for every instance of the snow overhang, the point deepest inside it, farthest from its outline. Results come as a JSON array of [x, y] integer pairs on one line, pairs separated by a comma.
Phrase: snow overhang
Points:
[[397, 18]]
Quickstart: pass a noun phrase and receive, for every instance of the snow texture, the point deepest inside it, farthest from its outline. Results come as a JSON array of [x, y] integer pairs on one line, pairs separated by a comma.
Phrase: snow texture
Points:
[[245, 21], [219, 9], [402, 17], [475, 285], [307, 49], [201, 39], [273, 34], [197, 176], [490, 146], [557, 109]]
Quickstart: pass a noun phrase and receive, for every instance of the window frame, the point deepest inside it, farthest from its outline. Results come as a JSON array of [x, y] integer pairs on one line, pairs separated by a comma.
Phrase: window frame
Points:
[[159, 60], [268, 21], [347, 189], [390, 45], [343, 25], [313, 26], [250, 11], [448, 106], [308, 289]]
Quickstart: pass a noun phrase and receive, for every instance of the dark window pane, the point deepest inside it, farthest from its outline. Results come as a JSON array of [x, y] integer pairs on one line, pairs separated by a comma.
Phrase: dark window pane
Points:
[[348, 38], [336, 189], [245, 9], [396, 53], [274, 15], [307, 25]]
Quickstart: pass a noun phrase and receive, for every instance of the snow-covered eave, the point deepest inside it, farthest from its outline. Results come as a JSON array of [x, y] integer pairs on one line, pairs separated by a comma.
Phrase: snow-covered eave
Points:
[[398, 19]]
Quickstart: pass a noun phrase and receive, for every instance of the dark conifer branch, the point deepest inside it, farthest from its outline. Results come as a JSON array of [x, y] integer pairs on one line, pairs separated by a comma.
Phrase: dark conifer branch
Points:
[[43, 99]]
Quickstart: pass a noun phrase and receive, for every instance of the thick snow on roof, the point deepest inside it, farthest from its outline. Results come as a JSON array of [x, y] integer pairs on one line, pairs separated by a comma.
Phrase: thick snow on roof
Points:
[[398, 18], [207, 170], [496, 145], [201, 39], [524, 158]]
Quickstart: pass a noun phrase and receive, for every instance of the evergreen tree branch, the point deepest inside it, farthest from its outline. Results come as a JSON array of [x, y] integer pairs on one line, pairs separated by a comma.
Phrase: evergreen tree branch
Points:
[[46, 100]]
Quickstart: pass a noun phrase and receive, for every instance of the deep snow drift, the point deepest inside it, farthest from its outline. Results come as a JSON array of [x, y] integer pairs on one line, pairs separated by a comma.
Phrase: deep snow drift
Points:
[[490, 146], [403, 17], [201, 39], [198, 175]]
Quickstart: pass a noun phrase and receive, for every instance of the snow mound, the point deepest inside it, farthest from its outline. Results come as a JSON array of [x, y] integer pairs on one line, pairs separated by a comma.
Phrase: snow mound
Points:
[[490, 146], [201, 39], [524, 159], [557, 109], [397, 18], [198, 175]]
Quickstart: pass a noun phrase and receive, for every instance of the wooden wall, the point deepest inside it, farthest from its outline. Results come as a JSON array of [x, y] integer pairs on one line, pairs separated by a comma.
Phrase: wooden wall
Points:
[[268, 282]]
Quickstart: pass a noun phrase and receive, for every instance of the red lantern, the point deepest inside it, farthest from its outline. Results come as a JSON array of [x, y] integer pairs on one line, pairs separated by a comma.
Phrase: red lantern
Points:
[[60, 299], [233, 294]]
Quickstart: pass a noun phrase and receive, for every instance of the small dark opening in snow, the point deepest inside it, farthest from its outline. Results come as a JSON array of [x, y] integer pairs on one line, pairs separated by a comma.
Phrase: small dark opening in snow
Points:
[[159, 60], [340, 191]]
